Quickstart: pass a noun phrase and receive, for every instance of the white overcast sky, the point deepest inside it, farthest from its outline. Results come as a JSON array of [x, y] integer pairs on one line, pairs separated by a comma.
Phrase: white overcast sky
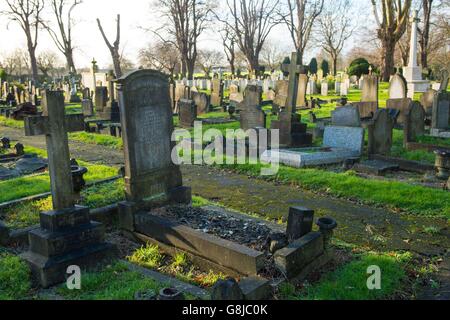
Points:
[[134, 13]]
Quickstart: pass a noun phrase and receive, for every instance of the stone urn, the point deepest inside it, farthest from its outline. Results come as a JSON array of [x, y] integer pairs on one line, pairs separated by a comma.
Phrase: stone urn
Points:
[[77, 178], [6, 143], [170, 294], [442, 164], [326, 227]]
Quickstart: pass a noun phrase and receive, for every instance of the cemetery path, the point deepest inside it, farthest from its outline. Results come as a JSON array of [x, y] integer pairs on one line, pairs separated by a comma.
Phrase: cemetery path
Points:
[[365, 226]]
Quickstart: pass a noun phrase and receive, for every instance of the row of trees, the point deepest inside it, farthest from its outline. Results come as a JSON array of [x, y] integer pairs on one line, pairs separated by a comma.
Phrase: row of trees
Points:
[[244, 27]]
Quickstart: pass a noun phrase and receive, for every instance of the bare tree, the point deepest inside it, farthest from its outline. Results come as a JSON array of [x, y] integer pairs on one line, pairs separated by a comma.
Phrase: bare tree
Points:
[[62, 33], [27, 13], [229, 46], [404, 45], [251, 21], [272, 55], [113, 48], [162, 56], [48, 62], [187, 19], [335, 28], [391, 27], [207, 59], [300, 18]]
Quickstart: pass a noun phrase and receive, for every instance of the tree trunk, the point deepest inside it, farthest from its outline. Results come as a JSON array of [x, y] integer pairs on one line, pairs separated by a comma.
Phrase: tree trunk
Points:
[[388, 59], [116, 62], [254, 65], [33, 63], [190, 69], [70, 61], [334, 57]]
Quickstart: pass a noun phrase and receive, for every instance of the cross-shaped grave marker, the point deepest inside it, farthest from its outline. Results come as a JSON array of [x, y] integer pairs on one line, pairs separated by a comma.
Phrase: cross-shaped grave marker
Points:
[[55, 125], [294, 69]]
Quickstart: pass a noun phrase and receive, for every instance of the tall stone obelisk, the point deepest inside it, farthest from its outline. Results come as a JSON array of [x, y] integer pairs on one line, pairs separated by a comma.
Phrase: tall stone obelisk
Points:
[[413, 72]]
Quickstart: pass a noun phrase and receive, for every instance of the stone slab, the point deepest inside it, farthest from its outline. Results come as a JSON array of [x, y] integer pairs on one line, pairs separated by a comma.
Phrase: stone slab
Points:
[[406, 165], [344, 137], [223, 252], [255, 288], [376, 167]]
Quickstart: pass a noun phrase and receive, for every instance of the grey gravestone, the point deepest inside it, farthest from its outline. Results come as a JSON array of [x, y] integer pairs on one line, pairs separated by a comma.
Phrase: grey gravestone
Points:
[[101, 98], [350, 138], [67, 236], [380, 133], [414, 125], [252, 116], [347, 116], [401, 105], [324, 88], [87, 107], [187, 113], [366, 109], [236, 97], [398, 87], [228, 290], [281, 92], [441, 111], [151, 177], [301, 93]]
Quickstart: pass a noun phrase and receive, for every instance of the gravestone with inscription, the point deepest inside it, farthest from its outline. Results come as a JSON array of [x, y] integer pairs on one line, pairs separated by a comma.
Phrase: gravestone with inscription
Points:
[[252, 116], [398, 87], [347, 116], [281, 92], [217, 92], [151, 177], [66, 235], [301, 93], [401, 105]]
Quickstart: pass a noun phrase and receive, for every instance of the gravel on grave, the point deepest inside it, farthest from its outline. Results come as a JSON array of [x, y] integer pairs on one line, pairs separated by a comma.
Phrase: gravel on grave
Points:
[[247, 232]]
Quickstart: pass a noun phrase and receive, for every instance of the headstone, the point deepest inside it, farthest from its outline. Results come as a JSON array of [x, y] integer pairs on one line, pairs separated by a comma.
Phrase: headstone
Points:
[[380, 133], [151, 177], [347, 116], [101, 98], [187, 113], [441, 111], [366, 109], [427, 100], [252, 116], [300, 222], [414, 125], [236, 97], [66, 235], [87, 107], [398, 87], [324, 88], [370, 88], [281, 93], [217, 92], [350, 138], [301, 93]]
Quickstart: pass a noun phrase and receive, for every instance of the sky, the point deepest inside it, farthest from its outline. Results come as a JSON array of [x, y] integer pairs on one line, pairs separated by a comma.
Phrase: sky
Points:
[[135, 14]]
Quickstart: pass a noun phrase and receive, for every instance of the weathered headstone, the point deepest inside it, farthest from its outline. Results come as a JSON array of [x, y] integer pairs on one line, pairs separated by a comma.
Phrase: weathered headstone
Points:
[[347, 116], [202, 101], [398, 87], [101, 98], [66, 236], [301, 93], [187, 113], [324, 88], [441, 111], [380, 133], [370, 88], [281, 93], [427, 100], [87, 107], [252, 116], [151, 177], [300, 222], [414, 125], [217, 92]]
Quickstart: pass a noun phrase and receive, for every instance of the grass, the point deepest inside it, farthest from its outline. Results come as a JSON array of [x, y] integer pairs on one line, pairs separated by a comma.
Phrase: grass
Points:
[[97, 139], [397, 196], [27, 214], [178, 266], [7, 122], [349, 282], [115, 282], [15, 278], [36, 184]]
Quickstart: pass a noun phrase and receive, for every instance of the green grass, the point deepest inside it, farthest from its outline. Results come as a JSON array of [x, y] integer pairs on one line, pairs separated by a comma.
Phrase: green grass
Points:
[[7, 122], [73, 108], [397, 196], [115, 282], [27, 214], [97, 139], [15, 278], [178, 266], [36, 184], [349, 282]]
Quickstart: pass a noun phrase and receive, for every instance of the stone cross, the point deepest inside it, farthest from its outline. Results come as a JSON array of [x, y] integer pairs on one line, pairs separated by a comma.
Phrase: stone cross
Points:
[[54, 124], [294, 69]]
